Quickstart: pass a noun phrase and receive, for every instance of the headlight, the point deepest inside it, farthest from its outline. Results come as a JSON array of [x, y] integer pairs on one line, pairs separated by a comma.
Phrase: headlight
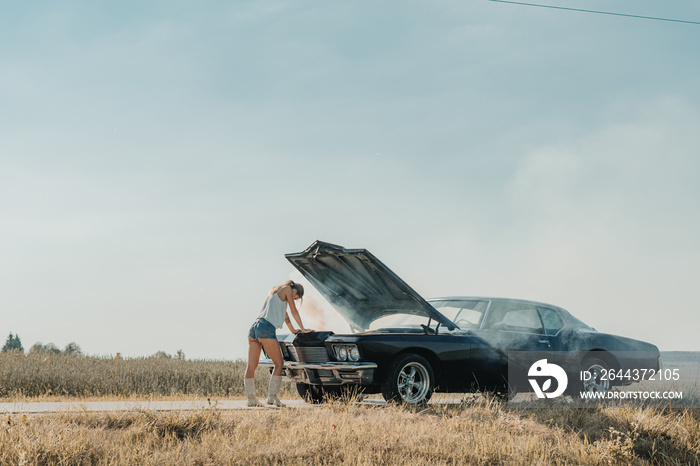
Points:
[[353, 353], [342, 353]]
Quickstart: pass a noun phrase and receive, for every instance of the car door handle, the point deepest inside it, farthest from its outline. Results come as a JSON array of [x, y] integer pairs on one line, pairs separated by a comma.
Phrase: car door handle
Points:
[[546, 342]]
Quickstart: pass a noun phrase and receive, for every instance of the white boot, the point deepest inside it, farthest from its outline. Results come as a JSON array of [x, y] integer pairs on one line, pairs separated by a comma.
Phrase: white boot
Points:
[[249, 385], [274, 389]]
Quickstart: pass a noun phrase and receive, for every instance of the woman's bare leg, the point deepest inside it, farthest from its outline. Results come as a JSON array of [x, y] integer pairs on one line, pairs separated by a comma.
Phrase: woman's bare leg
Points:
[[254, 348], [272, 348]]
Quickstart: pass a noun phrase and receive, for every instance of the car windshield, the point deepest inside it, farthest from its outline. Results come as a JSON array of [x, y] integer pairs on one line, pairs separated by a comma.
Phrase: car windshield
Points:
[[401, 321], [467, 314]]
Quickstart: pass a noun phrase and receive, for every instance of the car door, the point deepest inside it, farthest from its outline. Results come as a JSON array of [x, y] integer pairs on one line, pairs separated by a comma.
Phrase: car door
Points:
[[456, 357], [552, 323], [508, 326], [563, 354]]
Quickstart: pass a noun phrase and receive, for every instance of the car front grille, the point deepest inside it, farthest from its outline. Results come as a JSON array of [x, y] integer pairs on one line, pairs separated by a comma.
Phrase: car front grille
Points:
[[308, 354]]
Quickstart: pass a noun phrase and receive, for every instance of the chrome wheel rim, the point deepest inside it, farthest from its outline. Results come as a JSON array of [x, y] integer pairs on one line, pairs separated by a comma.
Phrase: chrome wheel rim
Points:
[[596, 384], [413, 382]]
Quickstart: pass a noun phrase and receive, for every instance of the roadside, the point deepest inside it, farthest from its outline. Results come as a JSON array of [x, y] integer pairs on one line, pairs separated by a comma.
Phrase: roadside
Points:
[[38, 407], [107, 405], [485, 431]]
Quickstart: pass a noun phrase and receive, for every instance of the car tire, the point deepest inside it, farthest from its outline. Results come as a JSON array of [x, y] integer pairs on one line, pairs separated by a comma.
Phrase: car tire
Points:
[[410, 380], [595, 366], [310, 393]]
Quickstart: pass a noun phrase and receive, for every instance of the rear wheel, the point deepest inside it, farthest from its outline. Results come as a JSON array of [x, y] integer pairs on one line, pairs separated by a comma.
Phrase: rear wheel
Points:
[[594, 372], [410, 380], [599, 381]]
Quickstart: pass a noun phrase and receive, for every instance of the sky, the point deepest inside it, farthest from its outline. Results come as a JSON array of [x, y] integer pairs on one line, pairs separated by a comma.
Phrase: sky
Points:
[[158, 159]]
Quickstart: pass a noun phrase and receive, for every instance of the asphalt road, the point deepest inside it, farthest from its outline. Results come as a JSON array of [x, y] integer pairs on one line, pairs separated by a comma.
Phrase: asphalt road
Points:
[[190, 405], [97, 406]]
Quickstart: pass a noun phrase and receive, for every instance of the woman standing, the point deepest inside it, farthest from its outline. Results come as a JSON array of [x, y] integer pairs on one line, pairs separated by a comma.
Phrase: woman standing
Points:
[[262, 335]]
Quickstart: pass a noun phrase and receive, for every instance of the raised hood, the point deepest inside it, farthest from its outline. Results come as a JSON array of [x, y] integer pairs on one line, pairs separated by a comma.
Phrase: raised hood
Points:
[[360, 287]]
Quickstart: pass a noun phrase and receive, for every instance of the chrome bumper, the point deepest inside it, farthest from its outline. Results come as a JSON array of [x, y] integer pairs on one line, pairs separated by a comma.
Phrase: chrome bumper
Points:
[[327, 373]]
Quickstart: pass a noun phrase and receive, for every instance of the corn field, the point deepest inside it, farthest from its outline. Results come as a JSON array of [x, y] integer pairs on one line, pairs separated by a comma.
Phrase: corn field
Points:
[[41, 375]]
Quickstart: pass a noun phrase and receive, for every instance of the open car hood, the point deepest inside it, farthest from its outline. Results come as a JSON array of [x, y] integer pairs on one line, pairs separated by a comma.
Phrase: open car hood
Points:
[[359, 286]]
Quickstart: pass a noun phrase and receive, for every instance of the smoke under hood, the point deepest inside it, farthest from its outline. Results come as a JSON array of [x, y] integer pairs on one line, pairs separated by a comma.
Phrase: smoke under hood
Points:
[[359, 286]]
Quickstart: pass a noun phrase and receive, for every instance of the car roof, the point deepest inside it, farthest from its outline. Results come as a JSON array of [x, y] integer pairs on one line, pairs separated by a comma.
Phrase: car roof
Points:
[[568, 316], [490, 298]]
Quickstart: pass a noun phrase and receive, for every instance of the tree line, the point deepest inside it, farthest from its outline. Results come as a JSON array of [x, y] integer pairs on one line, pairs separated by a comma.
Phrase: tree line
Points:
[[13, 343]]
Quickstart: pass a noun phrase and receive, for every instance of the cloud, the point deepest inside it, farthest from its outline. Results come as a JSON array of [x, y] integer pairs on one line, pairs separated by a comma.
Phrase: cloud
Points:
[[608, 222], [634, 169]]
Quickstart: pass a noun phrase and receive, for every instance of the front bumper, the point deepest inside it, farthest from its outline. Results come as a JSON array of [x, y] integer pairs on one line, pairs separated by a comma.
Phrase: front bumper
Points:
[[327, 373]]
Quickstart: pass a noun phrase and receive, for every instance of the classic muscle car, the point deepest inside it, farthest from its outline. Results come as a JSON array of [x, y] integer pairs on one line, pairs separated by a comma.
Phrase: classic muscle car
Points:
[[406, 347]]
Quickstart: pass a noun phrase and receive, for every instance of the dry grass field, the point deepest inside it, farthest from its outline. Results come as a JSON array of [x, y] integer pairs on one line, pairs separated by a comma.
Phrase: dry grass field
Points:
[[484, 432], [480, 430], [65, 377]]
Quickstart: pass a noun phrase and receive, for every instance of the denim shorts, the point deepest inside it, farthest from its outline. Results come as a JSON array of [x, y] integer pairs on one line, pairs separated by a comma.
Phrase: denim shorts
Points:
[[262, 329]]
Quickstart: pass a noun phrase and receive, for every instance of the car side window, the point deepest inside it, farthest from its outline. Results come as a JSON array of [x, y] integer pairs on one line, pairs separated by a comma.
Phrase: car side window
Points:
[[513, 317], [551, 319]]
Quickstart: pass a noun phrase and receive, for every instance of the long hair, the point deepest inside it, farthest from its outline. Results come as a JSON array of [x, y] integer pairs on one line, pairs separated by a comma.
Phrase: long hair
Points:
[[294, 286]]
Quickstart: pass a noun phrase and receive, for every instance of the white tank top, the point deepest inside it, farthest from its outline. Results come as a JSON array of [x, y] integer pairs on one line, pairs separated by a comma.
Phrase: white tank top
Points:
[[274, 310]]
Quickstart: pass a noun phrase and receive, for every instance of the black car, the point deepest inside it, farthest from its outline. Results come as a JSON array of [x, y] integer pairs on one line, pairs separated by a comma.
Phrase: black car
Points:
[[406, 347]]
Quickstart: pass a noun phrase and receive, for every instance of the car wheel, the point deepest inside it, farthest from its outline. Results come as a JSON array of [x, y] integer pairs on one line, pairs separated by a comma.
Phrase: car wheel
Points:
[[410, 380], [598, 383], [310, 393]]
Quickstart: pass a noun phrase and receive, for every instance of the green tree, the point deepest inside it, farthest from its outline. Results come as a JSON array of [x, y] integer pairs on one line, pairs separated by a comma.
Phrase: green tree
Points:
[[37, 348], [13, 343], [72, 348], [50, 348]]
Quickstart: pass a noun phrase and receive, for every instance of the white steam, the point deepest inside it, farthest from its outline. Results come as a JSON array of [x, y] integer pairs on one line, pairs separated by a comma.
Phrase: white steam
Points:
[[316, 312]]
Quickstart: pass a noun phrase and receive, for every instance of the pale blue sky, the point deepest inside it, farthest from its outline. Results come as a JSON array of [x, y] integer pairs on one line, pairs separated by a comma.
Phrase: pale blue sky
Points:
[[157, 159]]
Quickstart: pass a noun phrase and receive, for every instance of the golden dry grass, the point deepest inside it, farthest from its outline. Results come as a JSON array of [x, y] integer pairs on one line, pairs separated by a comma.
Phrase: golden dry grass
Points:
[[65, 377], [481, 430], [485, 432]]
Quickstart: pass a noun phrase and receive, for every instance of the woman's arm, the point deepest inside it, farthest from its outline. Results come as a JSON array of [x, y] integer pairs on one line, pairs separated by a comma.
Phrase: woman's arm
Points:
[[289, 297], [289, 324]]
